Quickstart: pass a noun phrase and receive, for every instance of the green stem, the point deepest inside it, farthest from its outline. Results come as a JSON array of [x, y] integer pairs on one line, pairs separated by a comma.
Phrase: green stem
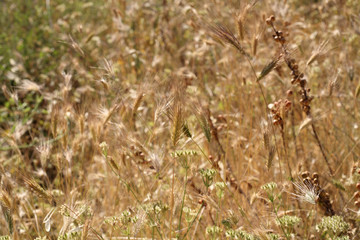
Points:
[[277, 217], [193, 221], [134, 195], [222, 180], [183, 198]]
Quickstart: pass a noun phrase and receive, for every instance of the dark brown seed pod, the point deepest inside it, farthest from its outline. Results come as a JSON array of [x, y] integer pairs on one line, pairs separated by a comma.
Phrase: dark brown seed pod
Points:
[[315, 175], [305, 174], [316, 181], [357, 194], [303, 83], [202, 202], [268, 21]]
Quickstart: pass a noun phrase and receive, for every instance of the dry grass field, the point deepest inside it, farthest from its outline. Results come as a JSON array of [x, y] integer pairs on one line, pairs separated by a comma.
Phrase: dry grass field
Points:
[[179, 119]]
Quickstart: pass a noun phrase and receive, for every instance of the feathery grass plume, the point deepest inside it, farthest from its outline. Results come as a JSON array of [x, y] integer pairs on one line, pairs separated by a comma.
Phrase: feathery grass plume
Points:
[[6, 92], [10, 94], [67, 82], [224, 34], [44, 151], [105, 114], [334, 84], [108, 67], [38, 190], [19, 130], [29, 86], [111, 111], [313, 193], [177, 125], [76, 46], [162, 107], [306, 192], [320, 51]]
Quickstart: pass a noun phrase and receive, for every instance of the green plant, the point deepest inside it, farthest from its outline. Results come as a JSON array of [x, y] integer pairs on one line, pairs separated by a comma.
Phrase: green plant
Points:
[[333, 227]]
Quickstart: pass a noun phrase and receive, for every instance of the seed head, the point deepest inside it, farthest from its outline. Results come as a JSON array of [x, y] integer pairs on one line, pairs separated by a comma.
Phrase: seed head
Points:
[[306, 192]]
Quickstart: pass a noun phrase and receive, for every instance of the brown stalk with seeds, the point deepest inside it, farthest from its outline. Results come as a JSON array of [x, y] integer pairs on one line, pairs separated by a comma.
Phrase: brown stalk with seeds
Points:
[[298, 79]]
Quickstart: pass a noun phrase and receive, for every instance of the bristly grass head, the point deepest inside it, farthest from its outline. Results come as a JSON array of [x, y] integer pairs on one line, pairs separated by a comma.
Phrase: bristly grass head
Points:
[[224, 34], [320, 51], [270, 66], [306, 192], [29, 86], [177, 125]]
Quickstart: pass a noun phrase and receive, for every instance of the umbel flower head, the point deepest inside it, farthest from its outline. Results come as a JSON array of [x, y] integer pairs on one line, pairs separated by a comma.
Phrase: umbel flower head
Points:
[[306, 192], [334, 226]]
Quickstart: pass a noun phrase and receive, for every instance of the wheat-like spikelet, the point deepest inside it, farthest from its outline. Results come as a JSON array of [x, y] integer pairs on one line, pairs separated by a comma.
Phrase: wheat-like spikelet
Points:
[[269, 67], [7, 208], [177, 124], [224, 34], [5, 200], [38, 190], [320, 51]]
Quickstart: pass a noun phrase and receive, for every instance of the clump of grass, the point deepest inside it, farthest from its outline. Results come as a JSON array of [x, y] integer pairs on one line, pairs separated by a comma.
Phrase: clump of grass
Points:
[[128, 121]]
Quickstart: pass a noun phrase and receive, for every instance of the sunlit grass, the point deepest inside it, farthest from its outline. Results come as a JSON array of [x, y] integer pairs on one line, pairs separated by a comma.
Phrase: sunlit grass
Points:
[[179, 119]]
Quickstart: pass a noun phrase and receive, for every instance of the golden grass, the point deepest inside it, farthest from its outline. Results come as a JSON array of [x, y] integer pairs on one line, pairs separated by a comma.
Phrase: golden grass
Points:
[[185, 119]]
